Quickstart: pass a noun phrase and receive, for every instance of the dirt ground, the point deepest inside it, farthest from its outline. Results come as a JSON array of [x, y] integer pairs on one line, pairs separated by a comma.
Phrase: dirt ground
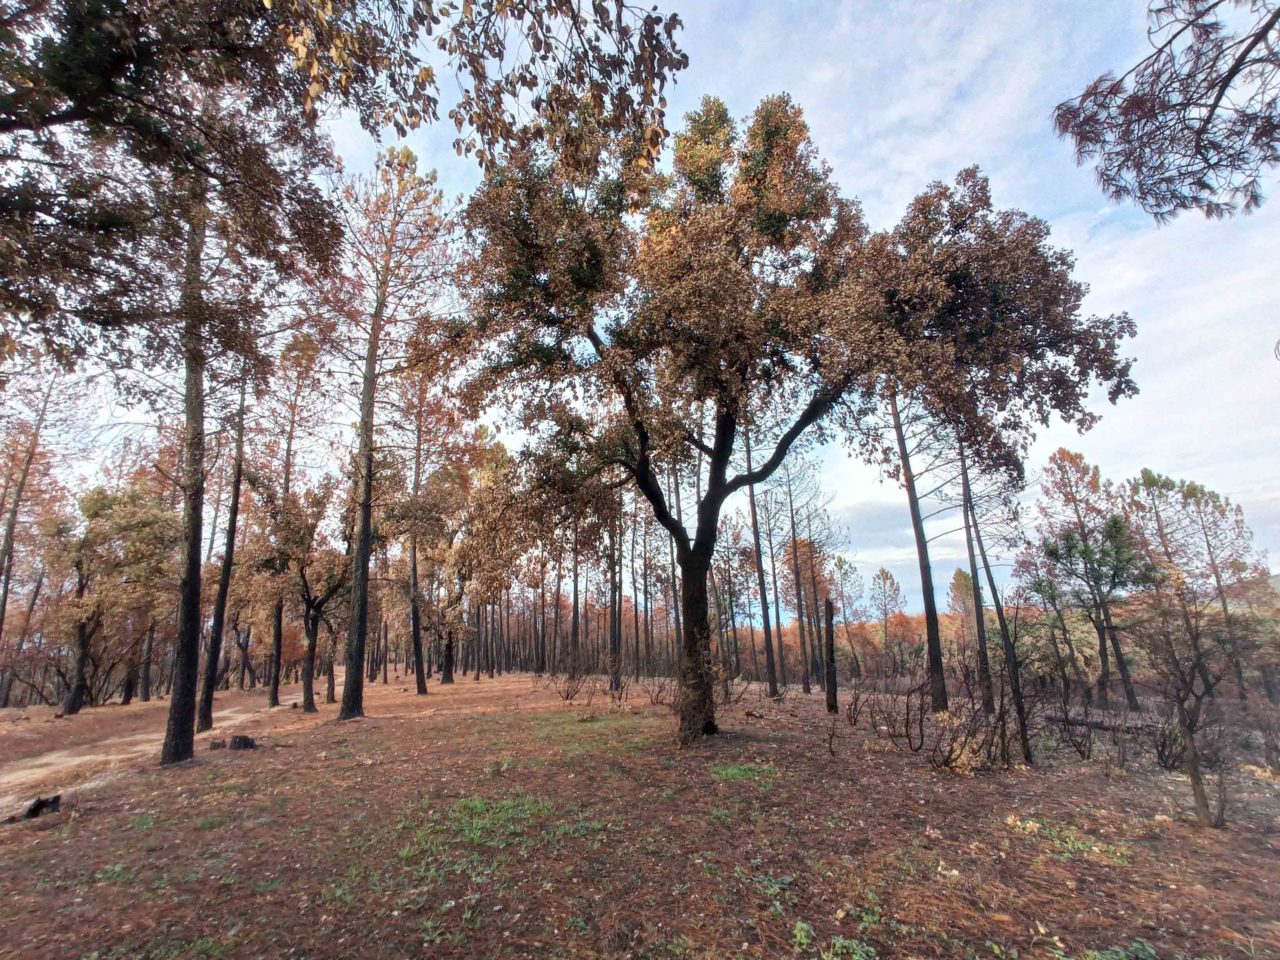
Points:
[[491, 820]]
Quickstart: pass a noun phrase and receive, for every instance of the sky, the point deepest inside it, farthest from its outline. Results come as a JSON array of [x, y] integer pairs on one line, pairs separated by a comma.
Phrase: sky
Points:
[[900, 94]]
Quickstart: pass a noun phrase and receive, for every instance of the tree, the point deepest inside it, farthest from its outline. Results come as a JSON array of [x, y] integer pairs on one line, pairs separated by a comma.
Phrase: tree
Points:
[[16, 479], [747, 295], [933, 635], [393, 227], [885, 599], [204, 710], [1186, 626], [125, 82], [962, 281], [322, 576], [1196, 123], [1087, 544], [849, 591]]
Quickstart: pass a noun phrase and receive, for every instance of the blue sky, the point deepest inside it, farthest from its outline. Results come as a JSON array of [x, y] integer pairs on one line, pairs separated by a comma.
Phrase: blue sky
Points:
[[899, 94]]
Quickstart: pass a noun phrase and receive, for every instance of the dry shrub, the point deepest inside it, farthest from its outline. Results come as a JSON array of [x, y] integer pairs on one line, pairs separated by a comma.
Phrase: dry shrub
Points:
[[623, 680], [660, 690], [1167, 742], [899, 714], [856, 700], [569, 685]]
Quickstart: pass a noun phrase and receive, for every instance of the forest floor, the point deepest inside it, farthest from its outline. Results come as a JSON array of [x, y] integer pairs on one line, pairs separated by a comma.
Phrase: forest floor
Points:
[[491, 820]]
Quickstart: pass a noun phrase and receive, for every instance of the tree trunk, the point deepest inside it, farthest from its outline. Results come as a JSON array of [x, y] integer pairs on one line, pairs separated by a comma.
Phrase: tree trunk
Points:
[[11, 525], [1006, 640], [179, 740], [277, 649], [771, 673], [7, 684], [795, 574], [358, 628], [1122, 665], [204, 713], [415, 617], [832, 705], [148, 651], [697, 691], [1195, 771], [979, 612], [311, 623], [933, 636], [446, 659], [78, 688]]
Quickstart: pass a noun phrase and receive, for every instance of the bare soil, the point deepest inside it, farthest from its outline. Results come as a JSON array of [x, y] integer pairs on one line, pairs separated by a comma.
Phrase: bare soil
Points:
[[491, 819]]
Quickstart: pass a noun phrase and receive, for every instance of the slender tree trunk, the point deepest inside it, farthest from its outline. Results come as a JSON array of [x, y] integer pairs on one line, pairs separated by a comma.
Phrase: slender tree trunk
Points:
[[204, 713], [795, 575], [6, 684], [615, 607], [933, 636], [148, 652], [979, 613], [358, 628], [179, 740], [1192, 763], [1122, 664], [330, 678], [771, 673], [415, 616], [777, 607], [11, 525], [832, 705], [1006, 640]]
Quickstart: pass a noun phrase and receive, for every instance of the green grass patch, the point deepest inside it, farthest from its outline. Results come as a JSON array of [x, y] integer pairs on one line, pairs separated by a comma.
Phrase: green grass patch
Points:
[[496, 823], [758, 773]]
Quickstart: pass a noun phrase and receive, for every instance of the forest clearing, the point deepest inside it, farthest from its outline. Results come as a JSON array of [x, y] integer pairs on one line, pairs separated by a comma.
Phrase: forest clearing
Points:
[[494, 819], [597, 479]]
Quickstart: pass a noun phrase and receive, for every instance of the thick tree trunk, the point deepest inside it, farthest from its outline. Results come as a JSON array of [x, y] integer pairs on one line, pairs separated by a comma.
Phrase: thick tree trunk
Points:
[[311, 623], [204, 713], [697, 712], [446, 659], [933, 636], [179, 740], [78, 689], [277, 650]]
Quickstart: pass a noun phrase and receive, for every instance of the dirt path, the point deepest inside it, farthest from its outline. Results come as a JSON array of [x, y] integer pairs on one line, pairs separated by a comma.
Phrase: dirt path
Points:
[[62, 771], [42, 753]]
